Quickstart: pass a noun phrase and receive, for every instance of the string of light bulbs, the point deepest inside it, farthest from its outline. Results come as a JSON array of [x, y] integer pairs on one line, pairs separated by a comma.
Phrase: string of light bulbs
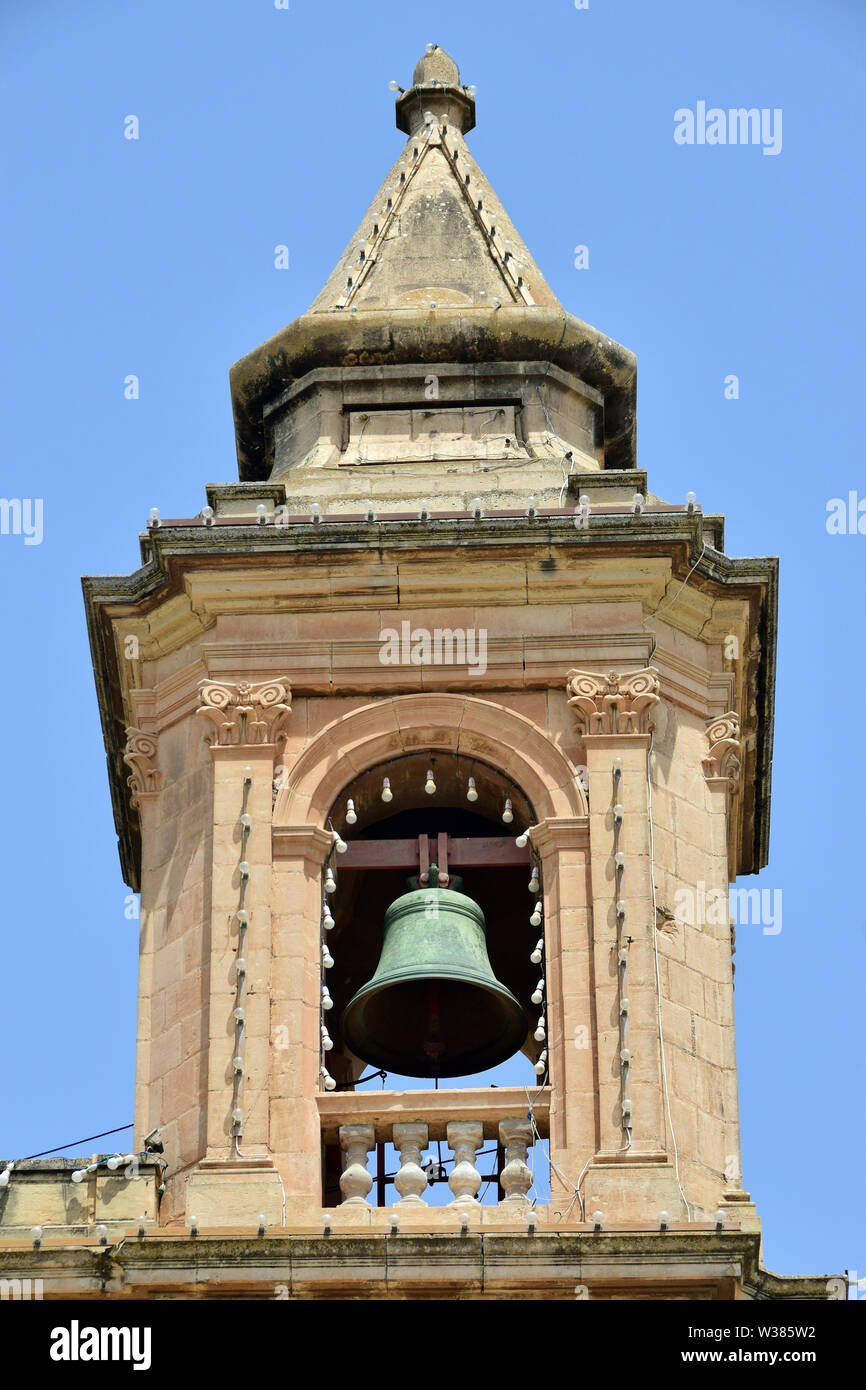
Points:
[[329, 886], [619, 861], [242, 917]]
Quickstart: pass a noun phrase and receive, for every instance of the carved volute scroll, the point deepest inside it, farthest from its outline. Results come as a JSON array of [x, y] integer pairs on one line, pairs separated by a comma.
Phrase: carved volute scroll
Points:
[[614, 704], [245, 714], [723, 759], [139, 754]]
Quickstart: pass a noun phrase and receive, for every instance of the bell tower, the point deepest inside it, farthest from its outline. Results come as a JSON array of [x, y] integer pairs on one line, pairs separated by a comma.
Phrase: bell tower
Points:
[[419, 737]]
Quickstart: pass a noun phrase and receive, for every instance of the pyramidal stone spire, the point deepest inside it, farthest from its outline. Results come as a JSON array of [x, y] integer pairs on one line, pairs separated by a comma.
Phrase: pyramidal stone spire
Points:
[[436, 363], [435, 235]]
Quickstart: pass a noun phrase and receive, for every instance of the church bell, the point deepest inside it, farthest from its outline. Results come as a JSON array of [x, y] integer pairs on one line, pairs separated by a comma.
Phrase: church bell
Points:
[[434, 1006]]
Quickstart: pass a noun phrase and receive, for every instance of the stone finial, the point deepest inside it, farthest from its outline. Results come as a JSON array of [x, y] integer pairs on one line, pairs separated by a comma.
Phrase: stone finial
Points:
[[723, 760], [436, 64], [614, 704], [245, 713], [435, 88], [140, 755]]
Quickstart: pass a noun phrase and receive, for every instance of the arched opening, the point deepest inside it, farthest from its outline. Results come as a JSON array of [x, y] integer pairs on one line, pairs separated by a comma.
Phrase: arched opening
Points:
[[462, 811]]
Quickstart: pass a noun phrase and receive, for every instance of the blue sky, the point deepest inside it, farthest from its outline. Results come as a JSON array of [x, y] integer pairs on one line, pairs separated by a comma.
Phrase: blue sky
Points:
[[155, 257]]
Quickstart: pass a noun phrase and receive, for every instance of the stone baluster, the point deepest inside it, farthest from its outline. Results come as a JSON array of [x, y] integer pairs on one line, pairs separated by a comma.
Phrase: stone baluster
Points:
[[355, 1182], [465, 1138], [411, 1181], [516, 1178]]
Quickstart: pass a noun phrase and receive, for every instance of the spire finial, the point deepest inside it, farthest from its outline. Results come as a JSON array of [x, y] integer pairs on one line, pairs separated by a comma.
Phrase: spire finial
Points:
[[436, 87]]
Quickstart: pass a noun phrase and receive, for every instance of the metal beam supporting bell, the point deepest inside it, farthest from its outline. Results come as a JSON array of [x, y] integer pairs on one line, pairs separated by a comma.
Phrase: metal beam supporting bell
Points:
[[434, 1006]]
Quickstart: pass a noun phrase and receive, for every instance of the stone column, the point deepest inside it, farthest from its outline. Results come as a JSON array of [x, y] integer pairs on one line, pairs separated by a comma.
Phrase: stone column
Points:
[[614, 714]]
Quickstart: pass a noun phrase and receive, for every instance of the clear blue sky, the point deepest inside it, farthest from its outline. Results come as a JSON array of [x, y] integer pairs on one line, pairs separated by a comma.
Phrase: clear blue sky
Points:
[[155, 257]]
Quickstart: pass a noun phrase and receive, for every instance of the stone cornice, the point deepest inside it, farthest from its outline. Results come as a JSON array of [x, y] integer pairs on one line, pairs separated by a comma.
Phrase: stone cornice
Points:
[[659, 551]]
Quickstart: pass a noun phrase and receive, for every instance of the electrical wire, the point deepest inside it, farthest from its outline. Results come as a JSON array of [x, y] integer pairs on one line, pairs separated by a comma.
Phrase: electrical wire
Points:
[[88, 1138]]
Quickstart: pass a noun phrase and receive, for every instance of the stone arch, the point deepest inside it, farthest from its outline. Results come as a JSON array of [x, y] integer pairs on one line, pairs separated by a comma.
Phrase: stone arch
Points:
[[401, 724]]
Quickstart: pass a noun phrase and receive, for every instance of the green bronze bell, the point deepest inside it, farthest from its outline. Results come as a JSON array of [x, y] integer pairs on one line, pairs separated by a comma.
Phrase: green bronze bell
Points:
[[434, 1007]]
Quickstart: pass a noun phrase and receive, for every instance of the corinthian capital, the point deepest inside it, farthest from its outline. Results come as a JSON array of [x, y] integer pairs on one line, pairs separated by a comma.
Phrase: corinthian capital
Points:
[[614, 704], [245, 713]]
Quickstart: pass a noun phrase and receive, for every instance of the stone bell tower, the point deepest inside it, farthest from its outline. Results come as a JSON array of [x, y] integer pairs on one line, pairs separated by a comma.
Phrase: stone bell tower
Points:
[[440, 631]]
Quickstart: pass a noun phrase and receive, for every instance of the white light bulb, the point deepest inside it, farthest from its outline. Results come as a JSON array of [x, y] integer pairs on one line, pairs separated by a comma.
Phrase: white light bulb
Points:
[[78, 1176], [237, 1115], [327, 1001], [244, 869], [626, 1106], [387, 794], [617, 767], [327, 920], [241, 965], [351, 817], [243, 916], [327, 958], [538, 993], [540, 1068], [664, 1220], [262, 514], [193, 1225], [618, 813], [622, 955], [691, 500], [620, 907], [327, 1041], [637, 503], [114, 1162], [102, 1234], [394, 87], [424, 511], [4, 1176], [472, 794], [248, 776], [719, 1219], [262, 1226], [533, 882], [239, 1016], [624, 1005], [315, 513], [238, 1066], [328, 1080], [36, 1233], [370, 511], [477, 509], [625, 1055], [522, 840], [339, 843], [619, 859], [330, 882], [535, 919], [598, 1220], [430, 785], [540, 1033], [154, 517], [530, 505], [247, 821], [583, 502], [508, 814], [536, 954]]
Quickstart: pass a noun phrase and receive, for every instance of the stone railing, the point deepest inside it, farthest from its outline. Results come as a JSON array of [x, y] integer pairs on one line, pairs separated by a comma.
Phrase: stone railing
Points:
[[411, 1120]]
